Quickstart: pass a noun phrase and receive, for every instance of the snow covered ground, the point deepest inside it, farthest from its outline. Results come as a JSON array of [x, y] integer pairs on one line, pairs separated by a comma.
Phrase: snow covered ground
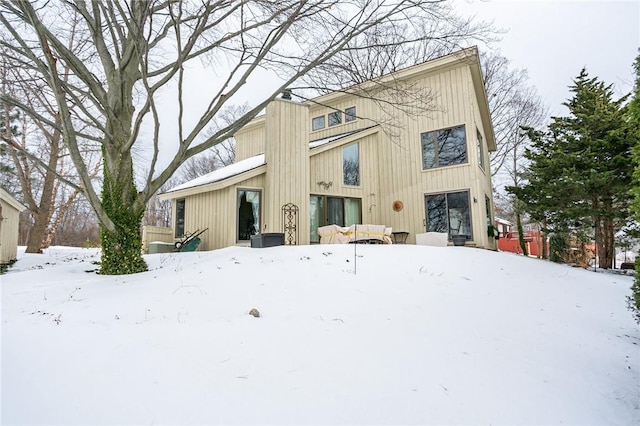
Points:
[[417, 335]]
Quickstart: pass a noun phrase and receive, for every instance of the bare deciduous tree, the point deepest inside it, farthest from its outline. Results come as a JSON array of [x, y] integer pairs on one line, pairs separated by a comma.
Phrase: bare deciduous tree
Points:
[[78, 226], [513, 103], [134, 50], [218, 156], [39, 156]]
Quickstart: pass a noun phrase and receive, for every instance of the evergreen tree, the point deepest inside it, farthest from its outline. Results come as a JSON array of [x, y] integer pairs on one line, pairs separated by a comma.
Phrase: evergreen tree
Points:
[[580, 173], [634, 122]]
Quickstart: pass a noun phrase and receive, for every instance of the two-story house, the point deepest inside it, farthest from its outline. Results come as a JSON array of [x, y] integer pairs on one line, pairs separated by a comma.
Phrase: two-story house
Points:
[[363, 156]]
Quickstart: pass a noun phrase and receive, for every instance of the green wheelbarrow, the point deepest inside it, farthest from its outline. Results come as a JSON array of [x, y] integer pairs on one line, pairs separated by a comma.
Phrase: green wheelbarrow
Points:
[[189, 242]]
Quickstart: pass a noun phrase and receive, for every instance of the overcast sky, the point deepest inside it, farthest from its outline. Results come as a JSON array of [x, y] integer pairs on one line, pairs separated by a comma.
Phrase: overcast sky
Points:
[[553, 40]]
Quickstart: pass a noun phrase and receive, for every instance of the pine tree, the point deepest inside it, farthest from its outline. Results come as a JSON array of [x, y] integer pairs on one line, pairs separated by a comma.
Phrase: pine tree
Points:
[[634, 122], [580, 173]]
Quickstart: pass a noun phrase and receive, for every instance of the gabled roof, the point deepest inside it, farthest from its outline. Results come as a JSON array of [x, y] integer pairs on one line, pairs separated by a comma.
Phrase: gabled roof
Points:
[[469, 57], [8, 198]]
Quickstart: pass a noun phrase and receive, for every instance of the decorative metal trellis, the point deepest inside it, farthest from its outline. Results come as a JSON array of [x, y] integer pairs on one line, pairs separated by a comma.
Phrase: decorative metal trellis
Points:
[[290, 223]]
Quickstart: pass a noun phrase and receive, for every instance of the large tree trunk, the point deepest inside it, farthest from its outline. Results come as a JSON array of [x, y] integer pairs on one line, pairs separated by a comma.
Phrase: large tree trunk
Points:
[[607, 250], [122, 239], [605, 238], [42, 213], [122, 246], [34, 241], [523, 243]]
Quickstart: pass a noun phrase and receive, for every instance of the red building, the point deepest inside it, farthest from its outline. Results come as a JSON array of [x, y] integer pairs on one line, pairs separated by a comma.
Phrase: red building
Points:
[[533, 241]]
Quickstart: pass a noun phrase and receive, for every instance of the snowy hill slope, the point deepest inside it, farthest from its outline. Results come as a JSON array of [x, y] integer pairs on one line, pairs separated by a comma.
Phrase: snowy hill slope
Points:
[[417, 335]]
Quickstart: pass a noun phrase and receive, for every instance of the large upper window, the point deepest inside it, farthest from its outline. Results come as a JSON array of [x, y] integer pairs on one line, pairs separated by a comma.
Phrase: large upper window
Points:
[[317, 123], [248, 214], [444, 147], [179, 228], [335, 118], [480, 150], [351, 165], [449, 213]]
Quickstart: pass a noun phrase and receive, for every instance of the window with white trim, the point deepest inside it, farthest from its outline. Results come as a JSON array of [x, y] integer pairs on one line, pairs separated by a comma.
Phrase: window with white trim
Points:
[[335, 118], [317, 123]]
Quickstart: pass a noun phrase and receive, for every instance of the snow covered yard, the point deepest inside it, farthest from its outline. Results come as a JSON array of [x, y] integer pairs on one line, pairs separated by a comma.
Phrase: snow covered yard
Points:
[[419, 335]]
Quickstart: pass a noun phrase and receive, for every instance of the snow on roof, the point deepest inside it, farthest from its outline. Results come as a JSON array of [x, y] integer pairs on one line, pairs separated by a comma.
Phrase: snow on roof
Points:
[[9, 199], [503, 221], [319, 142], [223, 173], [249, 164]]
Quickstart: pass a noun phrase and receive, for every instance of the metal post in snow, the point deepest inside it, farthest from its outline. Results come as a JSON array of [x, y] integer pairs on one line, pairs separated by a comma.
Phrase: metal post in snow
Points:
[[355, 249]]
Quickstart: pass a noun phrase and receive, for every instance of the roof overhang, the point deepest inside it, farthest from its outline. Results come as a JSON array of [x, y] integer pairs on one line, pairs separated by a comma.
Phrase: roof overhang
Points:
[[352, 137], [9, 199], [466, 57], [431, 66], [214, 186], [483, 102]]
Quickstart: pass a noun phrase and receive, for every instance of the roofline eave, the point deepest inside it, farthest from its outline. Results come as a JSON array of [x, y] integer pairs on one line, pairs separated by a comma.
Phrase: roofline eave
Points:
[[214, 186]]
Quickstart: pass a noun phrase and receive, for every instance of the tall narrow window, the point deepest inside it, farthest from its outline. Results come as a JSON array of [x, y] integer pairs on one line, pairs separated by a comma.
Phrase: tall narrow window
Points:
[[317, 123], [487, 207], [179, 218], [349, 114], [351, 165], [335, 118], [449, 213], [444, 147], [248, 214], [480, 150]]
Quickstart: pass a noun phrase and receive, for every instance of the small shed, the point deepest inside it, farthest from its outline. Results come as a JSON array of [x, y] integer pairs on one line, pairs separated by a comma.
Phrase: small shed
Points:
[[10, 209]]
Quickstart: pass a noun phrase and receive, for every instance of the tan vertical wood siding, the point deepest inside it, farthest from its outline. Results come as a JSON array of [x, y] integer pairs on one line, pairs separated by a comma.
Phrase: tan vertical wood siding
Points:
[[9, 219], [399, 154], [287, 158], [217, 210], [152, 234], [327, 167], [250, 140], [390, 159]]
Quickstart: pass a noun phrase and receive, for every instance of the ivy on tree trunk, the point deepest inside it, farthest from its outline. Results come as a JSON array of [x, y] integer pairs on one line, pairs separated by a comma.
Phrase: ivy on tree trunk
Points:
[[121, 248]]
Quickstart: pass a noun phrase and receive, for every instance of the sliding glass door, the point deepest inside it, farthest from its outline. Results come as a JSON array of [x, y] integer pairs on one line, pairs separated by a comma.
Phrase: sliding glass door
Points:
[[450, 213], [333, 211]]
